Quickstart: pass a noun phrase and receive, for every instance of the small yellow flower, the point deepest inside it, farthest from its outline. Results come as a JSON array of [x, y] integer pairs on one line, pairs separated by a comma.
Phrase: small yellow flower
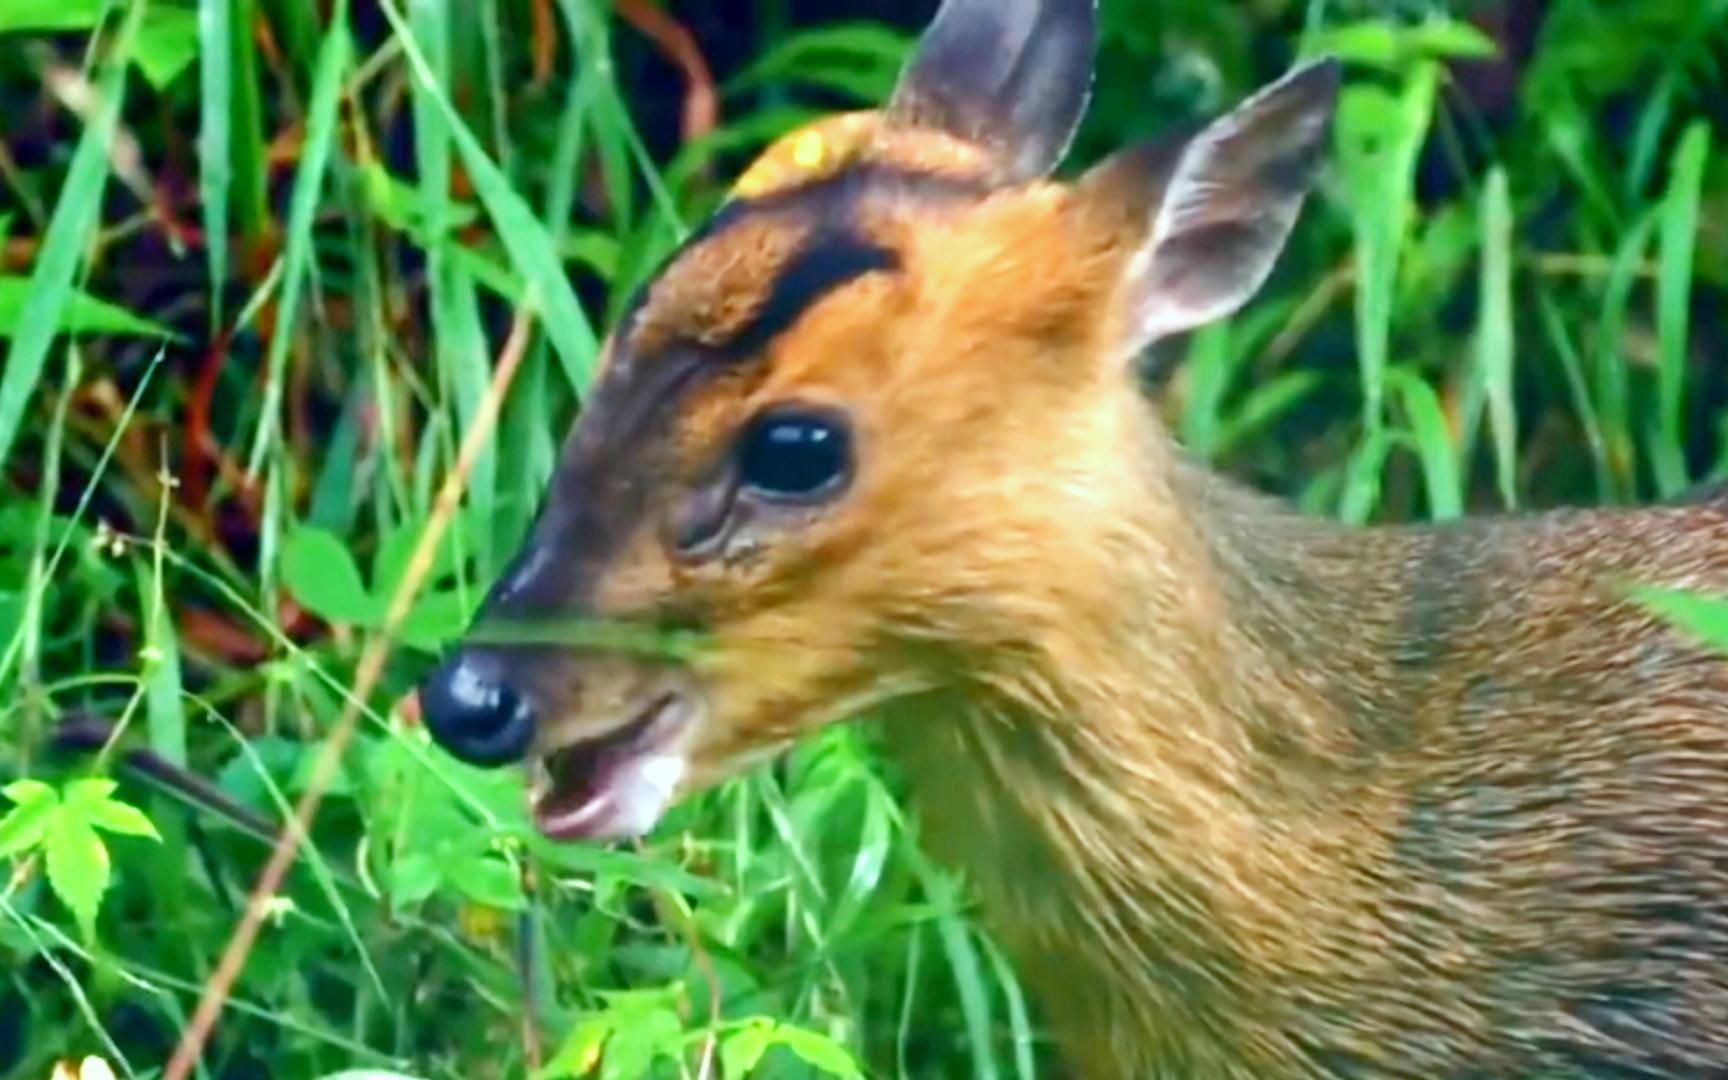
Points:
[[91, 1068]]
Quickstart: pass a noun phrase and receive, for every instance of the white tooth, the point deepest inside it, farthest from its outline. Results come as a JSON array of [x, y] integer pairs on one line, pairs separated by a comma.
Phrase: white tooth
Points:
[[642, 789]]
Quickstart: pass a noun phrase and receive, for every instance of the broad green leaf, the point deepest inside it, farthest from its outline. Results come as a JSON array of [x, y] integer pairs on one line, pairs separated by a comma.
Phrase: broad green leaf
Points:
[[1700, 614], [94, 790], [396, 550], [48, 16], [741, 1050], [111, 815], [636, 1045], [413, 878], [580, 1051], [167, 43], [491, 881], [78, 867], [28, 791], [818, 1051], [23, 827], [82, 314], [1384, 43], [321, 575], [437, 619]]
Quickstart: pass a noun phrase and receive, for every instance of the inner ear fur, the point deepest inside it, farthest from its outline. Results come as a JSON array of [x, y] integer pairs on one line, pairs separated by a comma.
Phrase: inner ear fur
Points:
[[1211, 208]]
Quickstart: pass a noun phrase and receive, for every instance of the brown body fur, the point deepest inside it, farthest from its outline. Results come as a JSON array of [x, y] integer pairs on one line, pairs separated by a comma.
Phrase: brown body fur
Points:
[[1327, 802], [1247, 794]]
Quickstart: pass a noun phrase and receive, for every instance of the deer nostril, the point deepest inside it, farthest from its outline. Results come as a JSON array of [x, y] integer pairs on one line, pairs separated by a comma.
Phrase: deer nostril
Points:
[[476, 716]]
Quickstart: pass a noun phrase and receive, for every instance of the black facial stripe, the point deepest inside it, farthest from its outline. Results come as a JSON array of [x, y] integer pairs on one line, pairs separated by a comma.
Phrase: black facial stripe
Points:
[[828, 203], [829, 259]]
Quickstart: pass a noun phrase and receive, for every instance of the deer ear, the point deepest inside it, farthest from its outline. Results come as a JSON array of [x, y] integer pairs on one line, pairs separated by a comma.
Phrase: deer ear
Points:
[[1010, 75], [1228, 204]]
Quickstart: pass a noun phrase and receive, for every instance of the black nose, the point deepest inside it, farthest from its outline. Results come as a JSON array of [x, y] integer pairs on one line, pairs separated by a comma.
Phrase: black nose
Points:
[[475, 714]]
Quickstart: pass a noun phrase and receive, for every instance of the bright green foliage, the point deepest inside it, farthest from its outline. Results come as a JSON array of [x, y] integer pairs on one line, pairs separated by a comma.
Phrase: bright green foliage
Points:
[[62, 827]]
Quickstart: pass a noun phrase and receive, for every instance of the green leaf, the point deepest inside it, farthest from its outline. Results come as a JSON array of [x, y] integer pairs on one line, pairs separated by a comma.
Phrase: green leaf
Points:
[[580, 1051], [85, 792], [321, 575], [745, 1047], [634, 1046], [112, 815], [491, 881], [167, 43], [437, 619], [81, 314], [46, 16], [28, 791], [819, 1051], [78, 867], [395, 552], [1702, 615], [25, 824], [1385, 44], [413, 878]]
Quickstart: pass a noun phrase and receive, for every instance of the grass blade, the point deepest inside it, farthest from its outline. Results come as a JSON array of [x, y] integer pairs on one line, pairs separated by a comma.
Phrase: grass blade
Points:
[[333, 61], [1431, 438], [520, 230], [215, 131], [1677, 247], [1494, 333], [76, 213]]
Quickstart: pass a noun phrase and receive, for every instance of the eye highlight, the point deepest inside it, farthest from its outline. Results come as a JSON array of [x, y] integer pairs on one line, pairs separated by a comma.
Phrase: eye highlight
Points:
[[795, 453]]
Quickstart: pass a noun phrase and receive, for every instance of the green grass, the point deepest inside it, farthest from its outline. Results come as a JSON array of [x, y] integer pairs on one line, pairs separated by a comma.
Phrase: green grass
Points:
[[380, 197]]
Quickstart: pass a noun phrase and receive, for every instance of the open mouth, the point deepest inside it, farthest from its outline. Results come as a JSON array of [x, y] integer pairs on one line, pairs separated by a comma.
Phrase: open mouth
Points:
[[615, 786]]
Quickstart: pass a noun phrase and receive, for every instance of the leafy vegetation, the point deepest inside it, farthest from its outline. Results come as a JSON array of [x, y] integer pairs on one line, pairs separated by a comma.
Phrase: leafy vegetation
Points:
[[296, 300]]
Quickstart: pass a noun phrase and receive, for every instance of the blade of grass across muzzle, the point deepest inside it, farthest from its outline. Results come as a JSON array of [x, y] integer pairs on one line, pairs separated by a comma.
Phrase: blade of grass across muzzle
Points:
[[597, 634]]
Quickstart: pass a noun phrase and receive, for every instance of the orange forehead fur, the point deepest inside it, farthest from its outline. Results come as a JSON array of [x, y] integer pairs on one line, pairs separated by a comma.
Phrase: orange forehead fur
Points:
[[715, 288], [827, 146]]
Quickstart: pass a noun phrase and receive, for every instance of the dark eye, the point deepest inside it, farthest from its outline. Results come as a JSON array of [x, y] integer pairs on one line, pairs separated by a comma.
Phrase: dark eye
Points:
[[795, 454]]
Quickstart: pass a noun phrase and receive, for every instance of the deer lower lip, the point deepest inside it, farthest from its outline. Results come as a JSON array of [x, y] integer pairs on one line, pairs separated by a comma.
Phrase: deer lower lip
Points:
[[615, 786]]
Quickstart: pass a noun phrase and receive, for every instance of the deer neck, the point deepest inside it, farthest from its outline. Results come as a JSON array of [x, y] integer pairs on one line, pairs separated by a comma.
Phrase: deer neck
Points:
[[1162, 791]]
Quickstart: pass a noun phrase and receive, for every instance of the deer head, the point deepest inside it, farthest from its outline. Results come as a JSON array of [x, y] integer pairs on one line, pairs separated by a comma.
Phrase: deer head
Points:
[[856, 419]]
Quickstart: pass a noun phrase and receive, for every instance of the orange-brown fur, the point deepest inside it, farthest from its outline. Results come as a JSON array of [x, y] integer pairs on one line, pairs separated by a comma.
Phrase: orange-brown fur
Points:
[[1247, 794]]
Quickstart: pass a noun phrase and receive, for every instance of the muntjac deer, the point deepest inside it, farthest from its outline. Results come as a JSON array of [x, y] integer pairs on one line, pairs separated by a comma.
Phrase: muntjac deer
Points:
[[1245, 793]]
